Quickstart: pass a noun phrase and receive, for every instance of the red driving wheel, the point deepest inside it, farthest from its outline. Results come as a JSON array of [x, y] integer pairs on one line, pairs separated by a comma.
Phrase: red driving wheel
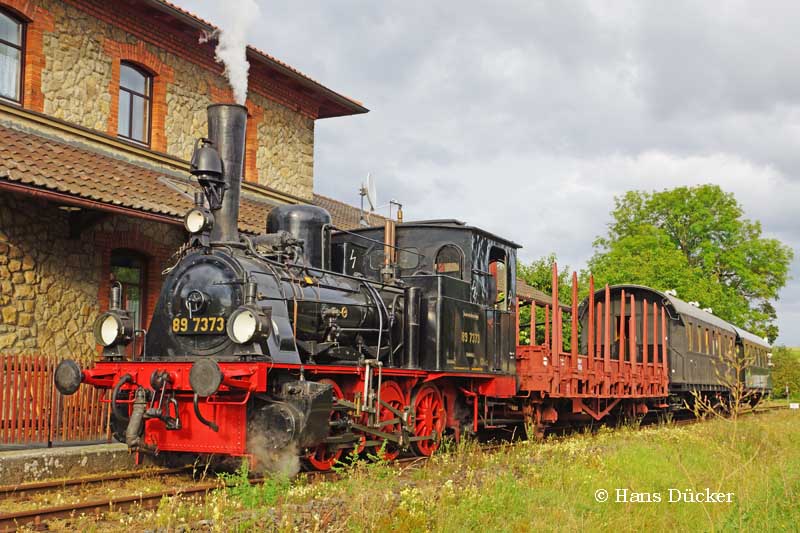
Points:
[[321, 457], [429, 418], [392, 394]]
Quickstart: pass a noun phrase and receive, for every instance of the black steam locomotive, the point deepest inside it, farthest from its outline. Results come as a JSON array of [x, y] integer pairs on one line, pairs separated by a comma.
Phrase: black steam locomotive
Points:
[[305, 335], [320, 340]]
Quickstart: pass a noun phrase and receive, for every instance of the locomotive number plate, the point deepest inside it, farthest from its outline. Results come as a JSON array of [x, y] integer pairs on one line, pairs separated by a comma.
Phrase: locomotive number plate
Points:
[[198, 325], [470, 337]]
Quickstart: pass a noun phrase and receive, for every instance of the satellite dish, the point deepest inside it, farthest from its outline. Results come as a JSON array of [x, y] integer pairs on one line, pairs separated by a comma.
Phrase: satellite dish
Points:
[[371, 192]]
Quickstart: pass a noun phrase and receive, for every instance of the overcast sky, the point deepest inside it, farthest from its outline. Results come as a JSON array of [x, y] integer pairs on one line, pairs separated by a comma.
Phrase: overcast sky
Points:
[[527, 118]]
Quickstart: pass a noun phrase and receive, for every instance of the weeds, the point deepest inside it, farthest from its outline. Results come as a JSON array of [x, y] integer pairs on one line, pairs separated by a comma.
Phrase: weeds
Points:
[[528, 486]]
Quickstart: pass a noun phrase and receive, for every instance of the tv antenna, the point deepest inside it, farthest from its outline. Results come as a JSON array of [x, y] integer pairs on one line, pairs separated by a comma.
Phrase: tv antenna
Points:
[[369, 191]]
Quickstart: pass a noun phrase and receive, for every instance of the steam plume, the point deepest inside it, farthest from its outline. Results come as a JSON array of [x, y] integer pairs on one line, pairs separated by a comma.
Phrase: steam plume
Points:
[[236, 20], [261, 444]]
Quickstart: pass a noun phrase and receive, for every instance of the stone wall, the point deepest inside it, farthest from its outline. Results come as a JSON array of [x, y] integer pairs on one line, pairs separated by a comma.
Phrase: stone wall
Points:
[[77, 69], [77, 87], [51, 286], [285, 154]]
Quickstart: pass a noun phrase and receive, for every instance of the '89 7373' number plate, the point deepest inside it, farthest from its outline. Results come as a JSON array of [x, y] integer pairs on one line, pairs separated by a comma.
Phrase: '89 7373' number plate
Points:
[[198, 325]]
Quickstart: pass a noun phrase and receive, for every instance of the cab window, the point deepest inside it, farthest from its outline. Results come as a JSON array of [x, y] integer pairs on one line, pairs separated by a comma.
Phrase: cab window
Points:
[[450, 261], [407, 258], [499, 279]]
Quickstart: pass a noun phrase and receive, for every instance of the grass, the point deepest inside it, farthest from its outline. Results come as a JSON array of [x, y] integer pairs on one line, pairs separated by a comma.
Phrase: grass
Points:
[[531, 486]]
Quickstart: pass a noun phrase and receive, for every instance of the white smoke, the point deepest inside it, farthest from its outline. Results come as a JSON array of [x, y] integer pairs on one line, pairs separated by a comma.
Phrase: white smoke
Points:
[[284, 460], [235, 22]]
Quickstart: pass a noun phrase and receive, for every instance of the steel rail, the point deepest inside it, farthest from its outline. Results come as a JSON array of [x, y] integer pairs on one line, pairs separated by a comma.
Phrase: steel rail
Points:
[[11, 521], [59, 484]]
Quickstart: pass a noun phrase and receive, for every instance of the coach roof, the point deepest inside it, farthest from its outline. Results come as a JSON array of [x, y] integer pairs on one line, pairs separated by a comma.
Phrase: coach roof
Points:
[[747, 336]]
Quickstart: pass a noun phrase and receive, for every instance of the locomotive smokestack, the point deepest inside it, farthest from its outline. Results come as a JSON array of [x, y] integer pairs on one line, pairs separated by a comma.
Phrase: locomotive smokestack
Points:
[[226, 130]]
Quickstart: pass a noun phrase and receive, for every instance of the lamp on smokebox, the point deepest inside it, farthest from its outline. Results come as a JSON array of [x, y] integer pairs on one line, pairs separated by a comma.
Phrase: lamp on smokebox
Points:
[[199, 219], [250, 323], [206, 166], [113, 330]]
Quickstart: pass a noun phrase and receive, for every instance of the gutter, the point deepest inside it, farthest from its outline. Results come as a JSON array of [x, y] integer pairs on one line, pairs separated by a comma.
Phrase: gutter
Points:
[[67, 199]]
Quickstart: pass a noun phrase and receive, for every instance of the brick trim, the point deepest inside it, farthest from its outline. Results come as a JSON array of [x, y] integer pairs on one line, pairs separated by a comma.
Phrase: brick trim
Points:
[[38, 21], [162, 75], [255, 116], [130, 19], [156, 257], [220, 95], [25, 8]]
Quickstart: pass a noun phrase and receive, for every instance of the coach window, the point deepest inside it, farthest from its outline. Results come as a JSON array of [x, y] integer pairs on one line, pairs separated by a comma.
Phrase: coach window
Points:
[[450, 261], [12, 53], [128, 269], [135, 90]]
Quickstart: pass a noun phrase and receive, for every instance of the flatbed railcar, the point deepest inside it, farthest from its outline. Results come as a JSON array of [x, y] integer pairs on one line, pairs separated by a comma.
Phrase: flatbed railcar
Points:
[[707, 356], [320, 341]]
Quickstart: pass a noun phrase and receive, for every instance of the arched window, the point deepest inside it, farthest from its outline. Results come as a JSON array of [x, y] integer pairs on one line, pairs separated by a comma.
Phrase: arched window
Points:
[[450, 261], [12, 56], [135, 97]]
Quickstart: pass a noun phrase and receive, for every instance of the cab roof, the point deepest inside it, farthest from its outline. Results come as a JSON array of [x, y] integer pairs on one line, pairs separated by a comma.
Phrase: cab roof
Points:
[[446, 223]]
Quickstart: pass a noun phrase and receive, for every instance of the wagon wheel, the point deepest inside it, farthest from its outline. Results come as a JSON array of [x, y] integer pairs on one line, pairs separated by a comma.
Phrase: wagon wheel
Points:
[[321, 457], [429, 418], [392, 394]]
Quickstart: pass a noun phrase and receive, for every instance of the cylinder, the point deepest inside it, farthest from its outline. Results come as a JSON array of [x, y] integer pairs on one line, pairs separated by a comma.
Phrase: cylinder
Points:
[[306, 223], [227, 124], [411, 333]]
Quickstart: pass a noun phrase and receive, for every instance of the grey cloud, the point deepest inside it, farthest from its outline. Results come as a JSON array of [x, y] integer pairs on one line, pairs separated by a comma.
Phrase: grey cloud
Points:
[[527, 117]]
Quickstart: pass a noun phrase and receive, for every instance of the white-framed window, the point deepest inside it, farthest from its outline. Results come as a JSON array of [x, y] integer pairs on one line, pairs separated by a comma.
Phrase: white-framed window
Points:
[[12, 56]]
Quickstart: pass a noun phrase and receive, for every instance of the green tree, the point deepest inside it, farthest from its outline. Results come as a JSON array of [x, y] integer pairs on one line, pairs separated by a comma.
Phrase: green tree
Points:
[[696, 240], [539, 275], [786, 371]]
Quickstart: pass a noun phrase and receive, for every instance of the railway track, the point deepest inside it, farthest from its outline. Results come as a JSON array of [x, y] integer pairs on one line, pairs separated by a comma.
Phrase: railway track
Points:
[[11, 521], [43, 486]]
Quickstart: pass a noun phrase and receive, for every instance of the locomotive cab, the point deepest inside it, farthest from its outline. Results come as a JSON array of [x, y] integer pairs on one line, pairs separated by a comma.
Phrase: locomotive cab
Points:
[[467, 278]]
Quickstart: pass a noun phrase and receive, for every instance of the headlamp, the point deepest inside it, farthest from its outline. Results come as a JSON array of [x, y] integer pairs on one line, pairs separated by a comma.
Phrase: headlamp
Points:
[[198, 219], [112, 328], [247, 324]]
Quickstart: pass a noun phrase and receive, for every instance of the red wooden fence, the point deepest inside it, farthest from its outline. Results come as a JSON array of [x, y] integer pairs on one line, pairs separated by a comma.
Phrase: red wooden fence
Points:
[[32, 412]]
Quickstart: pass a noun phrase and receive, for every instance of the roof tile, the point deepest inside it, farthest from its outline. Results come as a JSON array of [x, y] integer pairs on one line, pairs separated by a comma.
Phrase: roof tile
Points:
[[46, 163]]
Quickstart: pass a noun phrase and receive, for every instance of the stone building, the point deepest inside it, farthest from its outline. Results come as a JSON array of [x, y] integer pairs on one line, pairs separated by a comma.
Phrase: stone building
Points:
[[100, 105]]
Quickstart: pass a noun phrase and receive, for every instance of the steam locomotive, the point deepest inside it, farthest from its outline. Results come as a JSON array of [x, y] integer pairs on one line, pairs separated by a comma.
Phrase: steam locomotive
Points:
[[321, 340]]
